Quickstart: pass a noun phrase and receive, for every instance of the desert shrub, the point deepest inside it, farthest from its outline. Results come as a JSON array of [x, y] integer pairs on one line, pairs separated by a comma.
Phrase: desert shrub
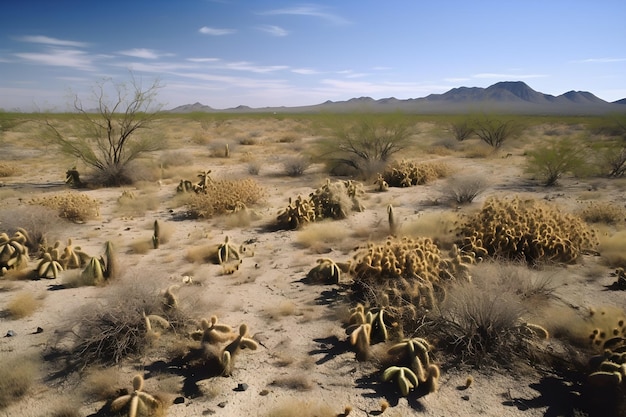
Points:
[[525, 230], [494, 131], [482, 322], [224, 196], [407, 173], [114, 330], [254, 168], [550, 162], [287, 138], [17, 376], [464, 189], [611, 248], [220, 149], [295, 166], [461, 129], [610, 158], [602, 212], [132, 204], [38, 221], [365, 143], [72, 206], [7, 170], [23, 304], [175, 158]]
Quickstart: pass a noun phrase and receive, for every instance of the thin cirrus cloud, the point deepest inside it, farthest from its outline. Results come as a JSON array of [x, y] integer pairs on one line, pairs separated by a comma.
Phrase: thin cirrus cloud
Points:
[[205, 30], [61, 58], [273, 30], [46, 40], [306, 10], [142, 53], [601, 60]]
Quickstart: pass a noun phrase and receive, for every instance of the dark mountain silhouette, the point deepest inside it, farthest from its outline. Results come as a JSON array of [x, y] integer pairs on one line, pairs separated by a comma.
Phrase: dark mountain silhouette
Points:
[[503, 97]]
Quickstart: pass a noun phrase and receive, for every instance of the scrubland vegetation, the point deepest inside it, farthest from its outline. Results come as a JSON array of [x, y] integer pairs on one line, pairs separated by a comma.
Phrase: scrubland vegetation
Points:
[[416, 248]]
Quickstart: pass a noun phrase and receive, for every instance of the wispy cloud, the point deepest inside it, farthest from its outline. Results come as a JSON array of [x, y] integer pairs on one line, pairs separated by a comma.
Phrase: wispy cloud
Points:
[[305, 71], [61, 58], [456, 80], [205, 30], [273, 30], [46, 40], [143, 53], [248, 66], [307, 10], [501, 76], [600, 60], [202, 60]]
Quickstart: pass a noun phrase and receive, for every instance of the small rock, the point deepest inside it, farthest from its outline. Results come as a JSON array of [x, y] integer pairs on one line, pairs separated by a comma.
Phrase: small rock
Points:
[[465, 397], [222, 404], [39, 330], [264, 393], [208, 412], [179, 400], [241, 387], [10, 333]]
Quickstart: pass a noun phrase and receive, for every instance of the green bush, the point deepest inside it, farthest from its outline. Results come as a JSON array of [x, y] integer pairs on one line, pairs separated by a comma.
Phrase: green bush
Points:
[[551, 161]]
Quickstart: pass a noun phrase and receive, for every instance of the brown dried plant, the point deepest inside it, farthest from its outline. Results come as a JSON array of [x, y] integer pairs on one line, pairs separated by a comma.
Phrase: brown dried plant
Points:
[[73, 206]]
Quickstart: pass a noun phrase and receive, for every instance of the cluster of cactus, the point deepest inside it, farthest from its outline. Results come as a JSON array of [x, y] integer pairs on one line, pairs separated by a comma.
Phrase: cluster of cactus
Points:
[[526, 230], [219, 346], [13, 251], [53, 259], [298, 213], [609, 368], [335, 200], [381, 183], [73, 206], [330, 201], [607, 329], [99, 270], [414, 366], [368, 326], [408, 174], [224, 196], [202, 186]]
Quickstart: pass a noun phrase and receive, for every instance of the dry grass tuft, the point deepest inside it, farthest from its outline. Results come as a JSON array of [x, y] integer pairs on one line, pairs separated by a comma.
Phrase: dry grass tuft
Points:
[[23, 304], [320, 235], [131, 204], [223, 197], [611, 248], [72, 206], [17, 375], [603, 212], [100, 384], [297, 382]]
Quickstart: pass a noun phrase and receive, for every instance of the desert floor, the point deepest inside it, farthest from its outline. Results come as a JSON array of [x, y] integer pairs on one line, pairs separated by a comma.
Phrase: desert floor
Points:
[[304, 364]]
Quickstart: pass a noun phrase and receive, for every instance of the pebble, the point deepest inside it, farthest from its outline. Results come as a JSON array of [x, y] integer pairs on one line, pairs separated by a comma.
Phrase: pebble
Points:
[[10, 333], [241, 387]]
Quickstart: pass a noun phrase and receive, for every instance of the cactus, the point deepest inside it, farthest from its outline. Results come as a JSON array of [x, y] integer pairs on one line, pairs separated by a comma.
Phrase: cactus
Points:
[[13, 250], [155, 235], [137, 400], [149, 319], [393, 225], [298, 213], [326, 271], [242, 341], [93, 273], [214, 332], [360, 338], [184, 186], [226, 251], [381, 184], [48, 267], [170, 301], [403, 376]]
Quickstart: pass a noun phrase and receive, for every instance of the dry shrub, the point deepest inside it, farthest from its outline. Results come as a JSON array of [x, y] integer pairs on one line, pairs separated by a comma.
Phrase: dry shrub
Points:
[[175, 158], [293, 407], [322, 235], [72, 206], [64, 408], [603, 212], [482, 321], [17, 375], [115, 329], [476, 151], [282, 309], [100, 384], [23, 304], [611, 248], [130, 204], [223, 197], [408, 174], [439, 226], [7, 170], [288, 138], [296, 165], [39, 222], [464, 189]]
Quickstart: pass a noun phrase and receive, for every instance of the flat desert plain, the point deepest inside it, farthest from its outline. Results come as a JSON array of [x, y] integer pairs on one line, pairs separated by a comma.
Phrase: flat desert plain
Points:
[[296, 358]]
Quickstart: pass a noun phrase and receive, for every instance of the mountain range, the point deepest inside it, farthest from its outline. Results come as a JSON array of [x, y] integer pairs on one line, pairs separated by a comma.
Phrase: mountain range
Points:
[[511, 97]]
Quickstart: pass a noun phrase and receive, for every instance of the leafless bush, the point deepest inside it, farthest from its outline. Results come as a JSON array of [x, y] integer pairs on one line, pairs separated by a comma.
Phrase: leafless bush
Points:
[[464, 189], [295, 166]]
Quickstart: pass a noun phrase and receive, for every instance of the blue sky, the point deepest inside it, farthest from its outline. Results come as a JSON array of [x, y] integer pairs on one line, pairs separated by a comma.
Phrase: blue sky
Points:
[[226, 53]]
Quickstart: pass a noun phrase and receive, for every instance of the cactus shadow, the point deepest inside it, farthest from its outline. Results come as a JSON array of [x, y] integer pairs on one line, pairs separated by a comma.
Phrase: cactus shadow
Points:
[[557, 394], [377, 389], [330, 347]]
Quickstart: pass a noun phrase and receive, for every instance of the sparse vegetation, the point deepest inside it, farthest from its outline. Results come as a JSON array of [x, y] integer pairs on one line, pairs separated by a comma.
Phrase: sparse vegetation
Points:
[[495, 130], [17, 376], [550, 162], [23, 304], [73, 206]]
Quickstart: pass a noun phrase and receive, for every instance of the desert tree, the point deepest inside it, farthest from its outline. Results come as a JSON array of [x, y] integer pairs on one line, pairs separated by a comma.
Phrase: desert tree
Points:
[[461, 129], [110, 136], [494, 130], [365, 143], [551, 161]]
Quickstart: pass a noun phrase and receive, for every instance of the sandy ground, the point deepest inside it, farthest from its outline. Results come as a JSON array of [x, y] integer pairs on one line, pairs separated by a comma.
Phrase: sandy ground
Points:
[[301, 337]]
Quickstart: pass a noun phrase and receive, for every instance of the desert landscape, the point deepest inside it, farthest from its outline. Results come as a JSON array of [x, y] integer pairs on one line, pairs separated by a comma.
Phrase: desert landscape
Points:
[[315, 265]]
